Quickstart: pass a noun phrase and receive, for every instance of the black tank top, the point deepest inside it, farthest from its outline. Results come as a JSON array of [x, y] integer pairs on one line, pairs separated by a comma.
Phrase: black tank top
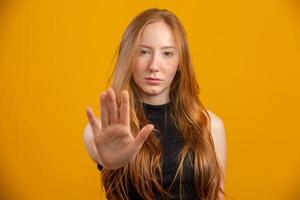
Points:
[[171, 143]]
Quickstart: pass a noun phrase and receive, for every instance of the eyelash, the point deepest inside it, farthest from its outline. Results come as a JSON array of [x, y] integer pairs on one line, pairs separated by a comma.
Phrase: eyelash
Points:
[[143, 51], [166, 52]]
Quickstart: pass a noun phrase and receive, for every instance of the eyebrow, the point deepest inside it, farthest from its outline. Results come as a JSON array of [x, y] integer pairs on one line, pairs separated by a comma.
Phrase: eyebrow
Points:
[[164, 47]]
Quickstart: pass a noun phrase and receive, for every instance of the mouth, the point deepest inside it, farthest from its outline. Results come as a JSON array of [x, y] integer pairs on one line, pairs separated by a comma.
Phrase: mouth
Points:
[[154, 79], [151, 80]]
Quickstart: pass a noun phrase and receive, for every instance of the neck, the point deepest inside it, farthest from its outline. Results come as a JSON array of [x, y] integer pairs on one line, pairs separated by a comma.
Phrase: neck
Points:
[[154, 100]]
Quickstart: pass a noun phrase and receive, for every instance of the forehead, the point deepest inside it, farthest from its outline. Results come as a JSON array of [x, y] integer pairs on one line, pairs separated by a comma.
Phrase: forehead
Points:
[[157, 34]]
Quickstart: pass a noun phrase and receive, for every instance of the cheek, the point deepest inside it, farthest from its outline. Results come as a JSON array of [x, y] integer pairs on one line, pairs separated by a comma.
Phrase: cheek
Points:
[[141, 63], [171, 74], [136, 76], [172, 68], [138, 72]]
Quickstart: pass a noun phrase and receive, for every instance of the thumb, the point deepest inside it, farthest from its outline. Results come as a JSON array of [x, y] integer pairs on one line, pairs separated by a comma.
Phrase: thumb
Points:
[[143, 135]]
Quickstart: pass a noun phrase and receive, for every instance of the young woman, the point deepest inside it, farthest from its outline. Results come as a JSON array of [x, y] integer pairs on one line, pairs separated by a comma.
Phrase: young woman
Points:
[[155, 139]]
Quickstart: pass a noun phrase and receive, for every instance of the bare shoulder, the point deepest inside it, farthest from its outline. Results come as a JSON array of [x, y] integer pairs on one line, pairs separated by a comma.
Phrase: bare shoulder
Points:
[[217, 125], [219, 137], [216, 121]]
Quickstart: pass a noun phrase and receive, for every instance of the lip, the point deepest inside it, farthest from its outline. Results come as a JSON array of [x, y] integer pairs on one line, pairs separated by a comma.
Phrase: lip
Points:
[[151, 80]]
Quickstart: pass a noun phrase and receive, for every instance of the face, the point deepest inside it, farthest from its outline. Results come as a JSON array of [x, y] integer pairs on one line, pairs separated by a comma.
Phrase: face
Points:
[[156, 63]]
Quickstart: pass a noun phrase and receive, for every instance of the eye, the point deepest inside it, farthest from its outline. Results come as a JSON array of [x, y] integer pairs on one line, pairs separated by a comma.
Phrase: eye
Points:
[[168, 53], [144, 52]]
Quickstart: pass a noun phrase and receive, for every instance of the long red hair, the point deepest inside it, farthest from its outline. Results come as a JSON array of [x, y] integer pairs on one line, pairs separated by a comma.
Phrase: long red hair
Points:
[[190, 117]]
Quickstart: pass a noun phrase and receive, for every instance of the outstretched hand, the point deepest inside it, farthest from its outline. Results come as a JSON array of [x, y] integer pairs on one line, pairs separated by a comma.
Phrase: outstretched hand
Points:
[[112, 134]]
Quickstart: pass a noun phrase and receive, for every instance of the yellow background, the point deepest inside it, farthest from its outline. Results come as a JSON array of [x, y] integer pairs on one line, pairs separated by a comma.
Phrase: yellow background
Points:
[[55, 58]]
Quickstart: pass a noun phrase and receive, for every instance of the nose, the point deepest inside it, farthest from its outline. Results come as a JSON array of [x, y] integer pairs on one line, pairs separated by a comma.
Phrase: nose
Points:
[[154, 64]]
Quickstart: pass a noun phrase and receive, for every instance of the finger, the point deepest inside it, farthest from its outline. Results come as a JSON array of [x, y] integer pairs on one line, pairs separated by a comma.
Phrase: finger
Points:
[[104, 114], [124, 108], [92, 119], [112, 107], [143, 135]]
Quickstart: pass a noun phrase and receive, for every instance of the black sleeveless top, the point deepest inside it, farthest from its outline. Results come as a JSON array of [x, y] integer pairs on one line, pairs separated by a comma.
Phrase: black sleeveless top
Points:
[[171, 143]]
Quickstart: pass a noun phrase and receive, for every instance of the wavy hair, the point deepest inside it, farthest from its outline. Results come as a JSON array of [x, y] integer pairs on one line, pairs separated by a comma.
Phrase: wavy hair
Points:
[[188, 113]]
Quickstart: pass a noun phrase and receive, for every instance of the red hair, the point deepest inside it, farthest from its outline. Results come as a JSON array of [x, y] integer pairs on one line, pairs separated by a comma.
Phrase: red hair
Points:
[[190, 117]]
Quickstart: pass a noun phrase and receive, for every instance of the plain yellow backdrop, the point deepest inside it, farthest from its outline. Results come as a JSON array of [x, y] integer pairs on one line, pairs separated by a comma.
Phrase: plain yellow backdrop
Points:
[[55, 59]]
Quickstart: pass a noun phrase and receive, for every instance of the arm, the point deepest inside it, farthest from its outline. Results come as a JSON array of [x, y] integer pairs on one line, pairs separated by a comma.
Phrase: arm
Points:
[[219, 138]]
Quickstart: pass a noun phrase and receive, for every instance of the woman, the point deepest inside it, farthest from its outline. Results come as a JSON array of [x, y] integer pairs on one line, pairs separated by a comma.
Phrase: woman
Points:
[[155, 139]]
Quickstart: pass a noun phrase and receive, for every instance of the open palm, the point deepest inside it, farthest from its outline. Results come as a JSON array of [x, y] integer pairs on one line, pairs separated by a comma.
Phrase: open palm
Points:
[[114, 141]]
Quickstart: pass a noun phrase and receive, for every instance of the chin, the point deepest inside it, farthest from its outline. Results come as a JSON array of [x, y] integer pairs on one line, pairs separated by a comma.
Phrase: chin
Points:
[[152, 91]]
